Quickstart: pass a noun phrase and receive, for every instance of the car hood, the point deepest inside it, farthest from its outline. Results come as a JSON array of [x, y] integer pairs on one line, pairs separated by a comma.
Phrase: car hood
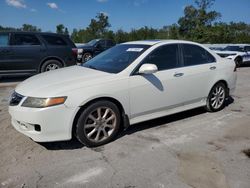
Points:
[[86, 46], [55, 83]]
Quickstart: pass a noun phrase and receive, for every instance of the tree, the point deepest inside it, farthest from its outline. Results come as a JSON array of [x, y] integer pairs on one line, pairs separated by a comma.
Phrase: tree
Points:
[[197, 20], [98, 26], [28, 27], [60, 29]]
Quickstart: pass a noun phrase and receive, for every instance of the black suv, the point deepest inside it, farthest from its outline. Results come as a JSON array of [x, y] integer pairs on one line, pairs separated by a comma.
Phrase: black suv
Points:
[[24, 53], [93, 48]]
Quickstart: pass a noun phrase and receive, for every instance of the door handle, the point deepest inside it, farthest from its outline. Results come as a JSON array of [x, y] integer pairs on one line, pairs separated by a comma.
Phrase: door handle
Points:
[[178, 74], [212, 68]]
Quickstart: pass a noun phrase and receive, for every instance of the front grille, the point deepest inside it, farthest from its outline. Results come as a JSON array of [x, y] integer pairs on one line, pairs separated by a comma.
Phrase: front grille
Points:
[[15, 99]]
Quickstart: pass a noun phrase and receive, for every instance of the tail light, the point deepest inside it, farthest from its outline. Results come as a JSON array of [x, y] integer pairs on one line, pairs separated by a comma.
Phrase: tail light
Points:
[[75, 51]]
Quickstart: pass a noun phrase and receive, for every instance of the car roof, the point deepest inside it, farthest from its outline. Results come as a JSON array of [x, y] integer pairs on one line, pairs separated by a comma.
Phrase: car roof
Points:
[[159, 41], [32, 32]]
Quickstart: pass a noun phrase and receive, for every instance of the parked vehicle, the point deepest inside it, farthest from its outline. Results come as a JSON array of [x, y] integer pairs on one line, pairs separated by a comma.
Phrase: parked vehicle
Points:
[[33, 52], [127, 84], [239, 53], [93, 48]]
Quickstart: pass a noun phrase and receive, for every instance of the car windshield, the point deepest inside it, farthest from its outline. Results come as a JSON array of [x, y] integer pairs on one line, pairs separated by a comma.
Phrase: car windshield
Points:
[[117, 58], [233, 48], [92, 42]]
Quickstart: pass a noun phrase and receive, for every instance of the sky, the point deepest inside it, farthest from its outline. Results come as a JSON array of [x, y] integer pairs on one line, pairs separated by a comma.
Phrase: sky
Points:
[[123, 14]]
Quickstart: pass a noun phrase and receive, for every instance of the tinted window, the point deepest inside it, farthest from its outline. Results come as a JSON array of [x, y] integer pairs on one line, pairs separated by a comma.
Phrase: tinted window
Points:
[[4, 40], [110, 43], [101, 43], [54, 40], [233, 48], [116, 59], [25, 39], [164, 57], [195, 55], [247, 48]]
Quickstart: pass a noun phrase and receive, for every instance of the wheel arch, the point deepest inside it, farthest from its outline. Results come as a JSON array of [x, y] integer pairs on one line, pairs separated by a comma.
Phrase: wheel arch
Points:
[[111, 99], [50, 58]]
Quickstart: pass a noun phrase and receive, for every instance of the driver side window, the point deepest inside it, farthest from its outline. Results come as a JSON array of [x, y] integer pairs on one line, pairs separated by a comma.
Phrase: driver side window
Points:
[[164, 57]]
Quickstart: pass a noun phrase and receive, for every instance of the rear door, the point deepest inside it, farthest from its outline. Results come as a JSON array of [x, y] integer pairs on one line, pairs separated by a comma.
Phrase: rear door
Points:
[[28, 51], [5, 52], [198, 72]]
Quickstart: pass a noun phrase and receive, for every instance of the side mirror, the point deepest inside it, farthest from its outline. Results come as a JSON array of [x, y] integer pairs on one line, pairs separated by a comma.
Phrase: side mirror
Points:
[[148, 69]]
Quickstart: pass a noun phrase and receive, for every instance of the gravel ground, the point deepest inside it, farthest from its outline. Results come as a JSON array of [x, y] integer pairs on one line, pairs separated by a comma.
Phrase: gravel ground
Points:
[[194, 149]]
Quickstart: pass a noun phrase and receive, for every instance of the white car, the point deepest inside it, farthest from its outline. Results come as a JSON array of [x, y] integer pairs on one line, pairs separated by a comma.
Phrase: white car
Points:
[[239, 53], [127, 84]]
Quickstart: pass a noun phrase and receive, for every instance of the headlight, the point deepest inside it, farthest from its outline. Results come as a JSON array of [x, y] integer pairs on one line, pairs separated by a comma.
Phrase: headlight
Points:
[[33, 102]]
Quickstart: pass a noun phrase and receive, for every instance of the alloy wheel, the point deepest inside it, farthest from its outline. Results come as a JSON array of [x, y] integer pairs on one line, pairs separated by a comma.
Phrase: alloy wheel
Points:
[[100, 124], [51, 67], [218, 97]]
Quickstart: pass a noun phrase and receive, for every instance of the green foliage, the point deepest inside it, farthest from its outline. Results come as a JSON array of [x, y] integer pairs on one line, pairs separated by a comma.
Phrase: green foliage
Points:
[[61, 29], [197, 24], [28, 27]]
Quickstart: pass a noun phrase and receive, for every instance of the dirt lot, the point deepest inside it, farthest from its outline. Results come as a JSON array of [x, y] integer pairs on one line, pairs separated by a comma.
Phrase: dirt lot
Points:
[[194, 149]]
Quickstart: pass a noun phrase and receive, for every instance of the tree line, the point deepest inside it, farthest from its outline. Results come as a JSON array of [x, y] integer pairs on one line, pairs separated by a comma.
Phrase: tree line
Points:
[[199, 23]]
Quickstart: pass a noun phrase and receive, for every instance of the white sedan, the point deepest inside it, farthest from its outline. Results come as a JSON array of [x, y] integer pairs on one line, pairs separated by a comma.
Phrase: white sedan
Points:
[[127, 84]]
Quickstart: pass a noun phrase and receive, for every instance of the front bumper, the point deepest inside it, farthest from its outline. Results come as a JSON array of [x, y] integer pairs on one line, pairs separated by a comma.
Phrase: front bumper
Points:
[[55, 122]]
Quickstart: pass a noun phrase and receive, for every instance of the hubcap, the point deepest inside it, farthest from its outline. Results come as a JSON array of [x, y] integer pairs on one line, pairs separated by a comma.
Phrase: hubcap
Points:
[[87, 57], [218, 97], [100, 124], [51, 67]]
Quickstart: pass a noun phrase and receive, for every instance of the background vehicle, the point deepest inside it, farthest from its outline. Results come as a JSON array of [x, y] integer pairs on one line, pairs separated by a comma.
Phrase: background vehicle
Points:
[[239, 53], [93, 48], [33, 52], [127, 84]]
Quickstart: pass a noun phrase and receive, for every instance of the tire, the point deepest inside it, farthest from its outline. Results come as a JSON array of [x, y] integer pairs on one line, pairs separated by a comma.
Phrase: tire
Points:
[[98, 124], [51, 65], [238, 61], [86, 57], [216, 98]]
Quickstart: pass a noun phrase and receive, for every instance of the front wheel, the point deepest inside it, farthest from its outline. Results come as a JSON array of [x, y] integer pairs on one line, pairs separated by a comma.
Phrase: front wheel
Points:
[[98, 124], [216, 98], [86, 57]]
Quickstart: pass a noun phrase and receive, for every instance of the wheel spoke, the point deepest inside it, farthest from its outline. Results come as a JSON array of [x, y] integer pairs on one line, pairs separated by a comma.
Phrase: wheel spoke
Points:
[[91, 133], [106, 113], [98, 135], [99, 115], [90, 126], [110, 118], [105, 133], [111, 126], [92, 118], [213, 104]]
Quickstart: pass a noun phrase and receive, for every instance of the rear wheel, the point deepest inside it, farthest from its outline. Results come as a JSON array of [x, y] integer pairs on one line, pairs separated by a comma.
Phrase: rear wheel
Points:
[[217, 97], [98, 124], [238, 61], [50, 65]]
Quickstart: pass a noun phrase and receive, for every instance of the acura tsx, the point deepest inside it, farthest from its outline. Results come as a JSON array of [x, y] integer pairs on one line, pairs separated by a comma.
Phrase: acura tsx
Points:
[[129, 83]]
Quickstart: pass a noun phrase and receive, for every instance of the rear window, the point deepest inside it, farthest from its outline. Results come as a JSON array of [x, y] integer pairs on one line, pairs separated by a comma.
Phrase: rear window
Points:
[[54, 40], [25, 39], [4, 39]]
